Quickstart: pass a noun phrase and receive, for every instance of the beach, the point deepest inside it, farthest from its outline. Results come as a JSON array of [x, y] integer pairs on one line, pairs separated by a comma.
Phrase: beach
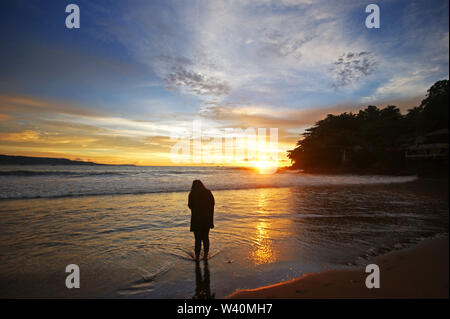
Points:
[[417, 272], [127, 228], [224, 149]]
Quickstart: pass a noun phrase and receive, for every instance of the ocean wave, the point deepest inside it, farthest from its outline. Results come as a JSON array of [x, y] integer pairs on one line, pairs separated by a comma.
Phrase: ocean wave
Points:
[[52, 182], [57, 173], [155, 185]]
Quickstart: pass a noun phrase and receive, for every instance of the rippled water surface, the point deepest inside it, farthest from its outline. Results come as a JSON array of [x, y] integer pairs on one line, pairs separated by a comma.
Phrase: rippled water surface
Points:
[[66, 181], [139, 244]]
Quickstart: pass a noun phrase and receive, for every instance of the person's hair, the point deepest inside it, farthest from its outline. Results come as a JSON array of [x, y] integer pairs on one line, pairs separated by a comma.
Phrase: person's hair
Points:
[[197, 185]]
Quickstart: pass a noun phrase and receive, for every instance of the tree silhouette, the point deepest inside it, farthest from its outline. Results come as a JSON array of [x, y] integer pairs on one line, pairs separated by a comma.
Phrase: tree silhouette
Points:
[[368, 139]]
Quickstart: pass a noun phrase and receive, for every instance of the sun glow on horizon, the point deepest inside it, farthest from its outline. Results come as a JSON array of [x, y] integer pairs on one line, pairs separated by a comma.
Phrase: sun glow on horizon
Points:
[[265, 167]]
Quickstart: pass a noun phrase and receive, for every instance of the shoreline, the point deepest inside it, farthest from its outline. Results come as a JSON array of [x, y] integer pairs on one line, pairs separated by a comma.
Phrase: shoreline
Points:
[[417, 272], [440, 174]]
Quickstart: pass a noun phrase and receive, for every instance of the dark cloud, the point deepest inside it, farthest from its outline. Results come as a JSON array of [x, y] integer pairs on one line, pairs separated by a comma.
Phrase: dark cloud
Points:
[[197, 83], [290, 46], [352, 66], [282, 45]]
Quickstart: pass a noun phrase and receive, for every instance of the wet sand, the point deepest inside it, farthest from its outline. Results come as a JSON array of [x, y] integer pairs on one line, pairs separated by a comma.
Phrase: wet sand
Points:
[[418, 272]]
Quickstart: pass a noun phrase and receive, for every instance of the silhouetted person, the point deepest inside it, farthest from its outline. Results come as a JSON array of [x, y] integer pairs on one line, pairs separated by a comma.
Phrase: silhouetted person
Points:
[[201, 203], [202, 283]]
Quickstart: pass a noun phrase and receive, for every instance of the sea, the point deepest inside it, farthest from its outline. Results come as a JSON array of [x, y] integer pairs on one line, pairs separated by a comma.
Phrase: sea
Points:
[[127, 228]]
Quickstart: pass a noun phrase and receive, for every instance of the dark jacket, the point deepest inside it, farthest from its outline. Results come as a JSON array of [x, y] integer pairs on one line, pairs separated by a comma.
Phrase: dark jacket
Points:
[[201, 204]]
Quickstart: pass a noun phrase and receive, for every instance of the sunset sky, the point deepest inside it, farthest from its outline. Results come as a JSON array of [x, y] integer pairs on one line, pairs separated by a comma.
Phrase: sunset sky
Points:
[[140, 72]]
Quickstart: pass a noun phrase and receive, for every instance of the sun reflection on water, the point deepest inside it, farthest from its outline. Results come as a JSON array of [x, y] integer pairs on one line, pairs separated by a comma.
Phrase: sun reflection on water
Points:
[[263, 252]]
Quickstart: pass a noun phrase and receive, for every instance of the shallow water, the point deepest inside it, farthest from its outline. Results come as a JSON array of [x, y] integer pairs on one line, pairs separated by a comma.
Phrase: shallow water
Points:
[[18, 182], [139, 245]]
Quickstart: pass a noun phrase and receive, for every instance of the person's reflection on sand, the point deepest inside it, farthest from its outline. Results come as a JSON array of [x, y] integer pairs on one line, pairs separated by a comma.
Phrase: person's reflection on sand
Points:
[[202, 283]]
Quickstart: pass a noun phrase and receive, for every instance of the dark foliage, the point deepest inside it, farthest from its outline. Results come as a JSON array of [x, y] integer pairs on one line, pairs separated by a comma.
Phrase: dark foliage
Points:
[[367, 140]]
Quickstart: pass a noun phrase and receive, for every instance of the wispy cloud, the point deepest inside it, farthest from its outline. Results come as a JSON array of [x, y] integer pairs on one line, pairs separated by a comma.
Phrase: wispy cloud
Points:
[[240, 52], [4, 117], [220, 50], [26, 104]]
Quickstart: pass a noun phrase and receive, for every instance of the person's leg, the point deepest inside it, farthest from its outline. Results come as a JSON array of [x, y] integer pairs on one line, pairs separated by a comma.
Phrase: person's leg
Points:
[[206, 243], [198, 244]]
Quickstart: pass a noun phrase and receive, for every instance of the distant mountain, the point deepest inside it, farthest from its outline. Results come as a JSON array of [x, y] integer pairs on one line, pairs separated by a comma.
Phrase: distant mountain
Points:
[[27, 160]]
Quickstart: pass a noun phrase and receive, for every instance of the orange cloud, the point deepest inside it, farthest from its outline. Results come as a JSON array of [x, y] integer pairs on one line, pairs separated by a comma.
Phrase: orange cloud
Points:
[[24, 104], [81, 133], [4, 117], [24, 136]]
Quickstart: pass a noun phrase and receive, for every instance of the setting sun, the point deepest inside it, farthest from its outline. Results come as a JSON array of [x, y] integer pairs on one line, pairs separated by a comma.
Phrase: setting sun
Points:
[[265, 167]]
